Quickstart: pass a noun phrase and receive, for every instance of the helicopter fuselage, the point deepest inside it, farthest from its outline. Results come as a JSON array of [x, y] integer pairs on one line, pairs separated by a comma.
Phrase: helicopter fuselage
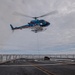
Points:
[[36, 22]]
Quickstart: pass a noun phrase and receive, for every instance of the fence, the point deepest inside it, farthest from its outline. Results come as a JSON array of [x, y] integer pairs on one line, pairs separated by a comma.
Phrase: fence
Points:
[[9, 57]]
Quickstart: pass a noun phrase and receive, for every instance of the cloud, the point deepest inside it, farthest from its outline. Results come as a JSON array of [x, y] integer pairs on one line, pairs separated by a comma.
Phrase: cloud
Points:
[[58, 37]]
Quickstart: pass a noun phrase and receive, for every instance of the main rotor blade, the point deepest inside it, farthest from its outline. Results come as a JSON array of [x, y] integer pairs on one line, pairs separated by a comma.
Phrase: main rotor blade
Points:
[[16, 13], [50, 13]]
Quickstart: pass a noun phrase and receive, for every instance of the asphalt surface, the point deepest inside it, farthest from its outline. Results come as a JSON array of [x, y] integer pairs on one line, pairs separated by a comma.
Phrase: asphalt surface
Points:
[[31, 67]]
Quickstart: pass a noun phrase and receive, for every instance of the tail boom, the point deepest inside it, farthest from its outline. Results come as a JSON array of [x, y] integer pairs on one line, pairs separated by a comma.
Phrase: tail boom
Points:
[[21, 27]]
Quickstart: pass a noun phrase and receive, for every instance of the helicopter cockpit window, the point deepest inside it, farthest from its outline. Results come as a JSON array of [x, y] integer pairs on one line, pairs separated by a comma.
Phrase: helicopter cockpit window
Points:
[[41, 24]]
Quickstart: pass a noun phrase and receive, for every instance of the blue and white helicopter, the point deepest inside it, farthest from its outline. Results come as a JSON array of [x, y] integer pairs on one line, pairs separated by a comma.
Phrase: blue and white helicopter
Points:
[[35, 25]]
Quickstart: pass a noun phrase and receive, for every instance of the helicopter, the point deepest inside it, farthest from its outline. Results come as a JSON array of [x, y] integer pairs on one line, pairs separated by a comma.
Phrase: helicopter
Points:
[[35, 25]]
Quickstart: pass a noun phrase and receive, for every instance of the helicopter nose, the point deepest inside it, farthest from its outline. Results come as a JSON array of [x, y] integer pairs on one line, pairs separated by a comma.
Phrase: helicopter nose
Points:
[[47, 24]]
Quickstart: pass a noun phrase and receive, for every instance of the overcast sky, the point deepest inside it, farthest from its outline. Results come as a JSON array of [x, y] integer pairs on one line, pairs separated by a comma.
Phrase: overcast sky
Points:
[[59, 38]]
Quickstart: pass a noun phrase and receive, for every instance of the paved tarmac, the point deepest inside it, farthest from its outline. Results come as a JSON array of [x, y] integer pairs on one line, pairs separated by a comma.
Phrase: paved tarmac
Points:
[[31, 67]]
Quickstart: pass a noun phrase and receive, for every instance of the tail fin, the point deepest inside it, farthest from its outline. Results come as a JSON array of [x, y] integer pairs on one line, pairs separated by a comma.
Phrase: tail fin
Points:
[[11, 27]]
